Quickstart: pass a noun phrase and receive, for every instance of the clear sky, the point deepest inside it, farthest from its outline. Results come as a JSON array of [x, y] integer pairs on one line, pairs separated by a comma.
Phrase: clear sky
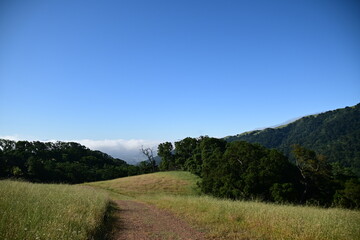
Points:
[[148, 71]]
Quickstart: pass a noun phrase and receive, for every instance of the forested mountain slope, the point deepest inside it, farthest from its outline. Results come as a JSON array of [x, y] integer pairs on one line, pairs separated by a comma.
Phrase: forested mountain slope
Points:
[[335, 134]]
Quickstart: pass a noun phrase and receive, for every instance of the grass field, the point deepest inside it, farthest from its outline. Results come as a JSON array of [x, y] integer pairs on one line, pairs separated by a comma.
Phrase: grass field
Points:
[[224, 219], [50, 211], [168, 183]]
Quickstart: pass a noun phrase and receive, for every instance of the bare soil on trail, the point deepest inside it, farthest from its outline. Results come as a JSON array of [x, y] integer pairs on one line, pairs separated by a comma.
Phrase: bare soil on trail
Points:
[[140, 221]]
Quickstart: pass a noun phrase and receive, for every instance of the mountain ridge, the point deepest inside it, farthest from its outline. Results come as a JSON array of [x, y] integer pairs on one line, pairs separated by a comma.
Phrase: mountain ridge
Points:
[[334, 133]]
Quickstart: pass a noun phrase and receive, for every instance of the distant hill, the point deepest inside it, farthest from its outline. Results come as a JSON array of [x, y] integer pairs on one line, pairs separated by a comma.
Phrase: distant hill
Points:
[[335, 134]]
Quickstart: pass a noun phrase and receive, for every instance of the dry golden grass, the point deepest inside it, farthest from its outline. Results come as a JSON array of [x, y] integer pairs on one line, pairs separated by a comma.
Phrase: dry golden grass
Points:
[[173, 183], [50, 211], [225, 219]]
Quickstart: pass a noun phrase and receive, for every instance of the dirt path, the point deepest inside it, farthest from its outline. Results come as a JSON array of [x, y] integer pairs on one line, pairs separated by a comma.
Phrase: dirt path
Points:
[[140, 221]]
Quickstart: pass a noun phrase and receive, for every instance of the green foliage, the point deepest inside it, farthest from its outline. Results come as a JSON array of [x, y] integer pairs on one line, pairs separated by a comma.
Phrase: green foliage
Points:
[[184, 150], [237, 170], [245, 171], [284, 192], [242, 170], [145, 167], [349, 196], [335, 134], [212, 150], [58, 162], [167, 158], [316, 175]]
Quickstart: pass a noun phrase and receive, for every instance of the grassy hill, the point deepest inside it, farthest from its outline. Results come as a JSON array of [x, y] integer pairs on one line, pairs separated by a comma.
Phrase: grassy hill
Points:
[[335, 134], [225, 219], [49, 211], [170, 183]]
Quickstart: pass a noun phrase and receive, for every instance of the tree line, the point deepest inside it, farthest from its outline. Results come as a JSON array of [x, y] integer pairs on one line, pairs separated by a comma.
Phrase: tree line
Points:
[[60, 162], [242, 170], [235, 170]]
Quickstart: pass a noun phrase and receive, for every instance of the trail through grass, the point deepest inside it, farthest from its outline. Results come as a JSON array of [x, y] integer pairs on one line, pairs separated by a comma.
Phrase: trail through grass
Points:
[[50, 211], [225, 219]]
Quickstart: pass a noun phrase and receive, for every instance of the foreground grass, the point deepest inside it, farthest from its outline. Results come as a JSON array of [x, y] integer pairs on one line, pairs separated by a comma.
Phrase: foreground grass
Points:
[[224, 219], [48, 211]]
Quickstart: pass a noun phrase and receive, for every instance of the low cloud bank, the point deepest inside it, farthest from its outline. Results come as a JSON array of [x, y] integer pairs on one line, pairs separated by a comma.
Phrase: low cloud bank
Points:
[[127, 150]]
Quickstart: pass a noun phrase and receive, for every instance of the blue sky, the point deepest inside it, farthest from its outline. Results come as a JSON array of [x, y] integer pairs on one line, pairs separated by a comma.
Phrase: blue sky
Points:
[[150, 71]]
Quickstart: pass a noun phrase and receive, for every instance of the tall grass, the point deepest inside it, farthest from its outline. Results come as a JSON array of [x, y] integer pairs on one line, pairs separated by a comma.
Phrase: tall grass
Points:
[[48, 211], [225, 219]]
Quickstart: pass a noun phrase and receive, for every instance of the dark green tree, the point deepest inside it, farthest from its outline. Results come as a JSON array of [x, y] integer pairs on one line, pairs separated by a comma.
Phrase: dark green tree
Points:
[[316, 176], [349, 196], [165, 151], [250, 171], [184, 150]]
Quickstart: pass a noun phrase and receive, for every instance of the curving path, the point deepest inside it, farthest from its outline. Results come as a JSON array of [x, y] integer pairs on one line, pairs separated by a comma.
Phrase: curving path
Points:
[[139, 221]]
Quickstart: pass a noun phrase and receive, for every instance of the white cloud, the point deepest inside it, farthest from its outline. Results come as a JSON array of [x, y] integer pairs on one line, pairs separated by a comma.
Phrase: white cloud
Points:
[[128, 150], [12, 138]]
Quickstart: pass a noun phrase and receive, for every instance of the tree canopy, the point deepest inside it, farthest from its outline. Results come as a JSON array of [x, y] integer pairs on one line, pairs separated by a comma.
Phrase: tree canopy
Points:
[[243, 170], [67, 162]]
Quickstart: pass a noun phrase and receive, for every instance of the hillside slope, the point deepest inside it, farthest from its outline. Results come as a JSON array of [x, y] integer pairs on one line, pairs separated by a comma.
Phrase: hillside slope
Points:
[[173, 183], [335, 134]]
